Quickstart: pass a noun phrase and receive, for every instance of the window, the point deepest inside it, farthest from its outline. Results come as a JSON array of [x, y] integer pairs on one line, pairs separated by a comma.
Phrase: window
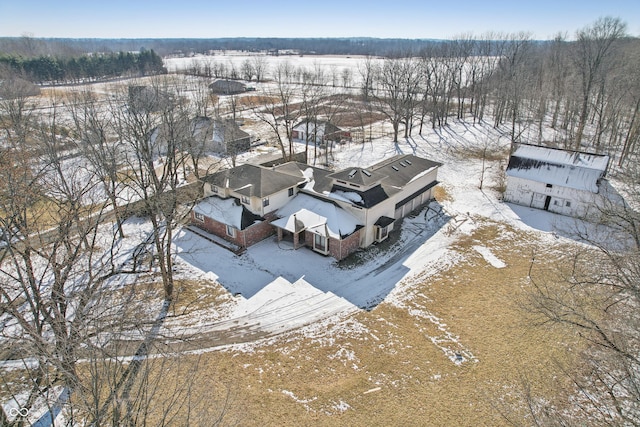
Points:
[[214, 188], [383, 232], [244, 200], [199, 216], [568, 204], [320, 243], [549, 186], [265, 202], [291, 192], [231, 231]]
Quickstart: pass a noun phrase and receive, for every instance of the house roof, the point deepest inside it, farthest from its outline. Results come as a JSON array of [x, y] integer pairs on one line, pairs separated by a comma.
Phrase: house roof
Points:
[[367, 199], [309, 213], [252, 180], [573, 169], [317, 179], [226, 211], [403, 169], [358, 176], [227, 130]]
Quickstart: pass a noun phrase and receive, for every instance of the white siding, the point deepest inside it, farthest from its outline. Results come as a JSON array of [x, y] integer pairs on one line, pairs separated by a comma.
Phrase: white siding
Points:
[[558, 199]]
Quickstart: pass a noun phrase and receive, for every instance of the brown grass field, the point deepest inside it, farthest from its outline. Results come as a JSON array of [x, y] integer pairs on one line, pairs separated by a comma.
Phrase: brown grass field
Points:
[[381, 367]]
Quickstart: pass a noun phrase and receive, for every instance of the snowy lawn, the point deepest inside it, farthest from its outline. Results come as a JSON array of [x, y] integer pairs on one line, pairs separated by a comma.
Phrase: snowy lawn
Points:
[[279, 289]]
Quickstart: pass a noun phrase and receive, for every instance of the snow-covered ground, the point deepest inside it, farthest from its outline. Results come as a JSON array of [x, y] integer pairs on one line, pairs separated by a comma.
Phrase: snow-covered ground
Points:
[[279, 289]]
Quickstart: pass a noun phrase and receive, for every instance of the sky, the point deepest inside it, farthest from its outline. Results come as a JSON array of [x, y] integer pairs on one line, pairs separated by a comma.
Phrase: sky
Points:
[[413, 19]]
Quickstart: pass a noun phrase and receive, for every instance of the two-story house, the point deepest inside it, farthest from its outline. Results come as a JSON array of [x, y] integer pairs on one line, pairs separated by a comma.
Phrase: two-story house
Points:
[[333, 213]]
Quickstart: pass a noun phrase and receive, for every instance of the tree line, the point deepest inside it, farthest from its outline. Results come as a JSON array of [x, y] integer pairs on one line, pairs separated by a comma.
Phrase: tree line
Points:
[[56, 70], [581, 94]]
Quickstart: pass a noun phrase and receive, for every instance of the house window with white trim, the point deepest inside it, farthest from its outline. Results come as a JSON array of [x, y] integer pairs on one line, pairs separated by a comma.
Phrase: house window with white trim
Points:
[[198, 216], [265, 202], [231, 231], [214, 188], [291, 192], [382, 233], [244, 199]]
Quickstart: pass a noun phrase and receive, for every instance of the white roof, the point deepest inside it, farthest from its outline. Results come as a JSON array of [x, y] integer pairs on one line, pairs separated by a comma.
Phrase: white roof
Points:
[[225, 211], [317, 216], [572, 169]]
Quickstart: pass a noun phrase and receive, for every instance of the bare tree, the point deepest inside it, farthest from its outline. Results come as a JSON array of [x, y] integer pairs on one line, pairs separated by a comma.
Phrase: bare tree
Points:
[[593, 291], [260, 67], [280, 110], [158, 134], [93, 130], [398, 91], [592, 55]]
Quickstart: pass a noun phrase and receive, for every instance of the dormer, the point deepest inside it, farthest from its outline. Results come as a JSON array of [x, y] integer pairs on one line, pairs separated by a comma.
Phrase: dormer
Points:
[[356, 179]]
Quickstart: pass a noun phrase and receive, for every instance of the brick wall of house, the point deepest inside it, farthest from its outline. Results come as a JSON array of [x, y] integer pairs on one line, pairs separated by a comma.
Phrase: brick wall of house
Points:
[[219, 229], [243, 238], [258, 232], [338, 249], [342, 249]]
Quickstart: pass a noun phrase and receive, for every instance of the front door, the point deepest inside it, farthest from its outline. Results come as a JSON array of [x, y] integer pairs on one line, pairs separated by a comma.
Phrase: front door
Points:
[[547, 202]]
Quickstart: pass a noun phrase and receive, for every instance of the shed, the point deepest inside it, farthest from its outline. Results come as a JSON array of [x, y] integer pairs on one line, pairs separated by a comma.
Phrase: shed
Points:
[[560, 181]]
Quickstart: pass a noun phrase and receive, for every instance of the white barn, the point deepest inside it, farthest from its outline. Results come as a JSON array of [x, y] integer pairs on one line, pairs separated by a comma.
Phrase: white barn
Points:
[[559, 181]]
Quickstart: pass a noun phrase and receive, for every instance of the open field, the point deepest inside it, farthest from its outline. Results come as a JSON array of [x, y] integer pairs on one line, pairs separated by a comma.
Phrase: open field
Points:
[[430, 328], [386, 367]]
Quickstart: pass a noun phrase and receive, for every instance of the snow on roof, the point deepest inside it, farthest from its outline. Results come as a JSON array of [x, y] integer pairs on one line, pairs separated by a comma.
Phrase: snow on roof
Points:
[[562, 157], [317, 216], [225, 211], [572, 169], [345, 196]]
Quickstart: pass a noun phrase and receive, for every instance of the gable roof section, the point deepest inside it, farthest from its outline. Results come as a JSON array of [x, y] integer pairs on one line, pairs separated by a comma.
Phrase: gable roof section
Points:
[[366, 199], [305, 212], [252, 180], [226, 211], [573, 169]]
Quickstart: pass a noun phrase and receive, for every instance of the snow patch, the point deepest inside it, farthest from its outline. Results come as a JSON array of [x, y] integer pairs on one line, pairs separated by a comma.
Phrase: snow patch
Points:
[[489, 256]]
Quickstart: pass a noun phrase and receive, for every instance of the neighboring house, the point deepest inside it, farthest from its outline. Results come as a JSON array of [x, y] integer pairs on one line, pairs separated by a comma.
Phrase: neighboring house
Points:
[[218, 135], [555, 180], [148, 99], [333, 213], [318, 132], [225, 137], [227, 87]]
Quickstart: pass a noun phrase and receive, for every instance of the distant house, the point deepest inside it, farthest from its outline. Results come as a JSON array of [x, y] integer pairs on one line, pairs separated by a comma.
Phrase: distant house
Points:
[[149, 99], [225, 136], [555, 180], [333, 213], [318, 132], [219, 135], [227, 87]]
